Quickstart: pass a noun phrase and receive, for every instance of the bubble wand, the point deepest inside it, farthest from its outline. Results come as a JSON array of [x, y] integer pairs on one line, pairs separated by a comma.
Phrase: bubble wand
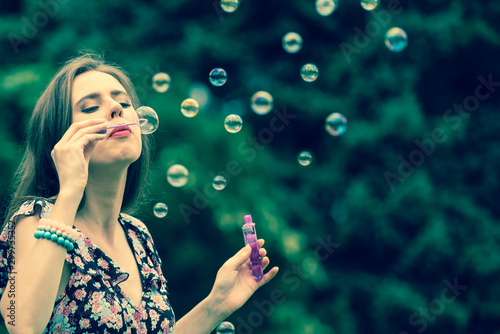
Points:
[[140, 122], [250, 236]]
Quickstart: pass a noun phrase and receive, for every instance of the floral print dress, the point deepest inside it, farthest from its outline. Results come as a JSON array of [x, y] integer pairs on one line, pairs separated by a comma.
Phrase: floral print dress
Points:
[[93, 302]]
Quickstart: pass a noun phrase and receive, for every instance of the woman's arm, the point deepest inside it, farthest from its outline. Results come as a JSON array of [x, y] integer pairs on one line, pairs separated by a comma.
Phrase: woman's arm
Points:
[[36, 275], [39, 262], [233, 286]]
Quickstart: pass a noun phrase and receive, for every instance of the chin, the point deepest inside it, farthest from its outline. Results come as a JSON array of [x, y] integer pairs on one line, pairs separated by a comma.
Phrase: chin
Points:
[[115, 159]]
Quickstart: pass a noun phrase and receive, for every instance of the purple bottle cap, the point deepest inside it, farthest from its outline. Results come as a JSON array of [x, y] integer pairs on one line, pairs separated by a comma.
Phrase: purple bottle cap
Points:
[[248, 219]]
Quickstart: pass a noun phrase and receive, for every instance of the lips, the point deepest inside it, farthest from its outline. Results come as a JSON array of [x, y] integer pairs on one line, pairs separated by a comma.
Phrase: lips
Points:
[[120, 132]]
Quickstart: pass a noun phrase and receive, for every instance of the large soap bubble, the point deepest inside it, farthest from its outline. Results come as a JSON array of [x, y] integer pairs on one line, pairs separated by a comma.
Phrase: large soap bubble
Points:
[[177, 176], [261, 103], [160, 210], [336, 124], [225, 327], [292, 42], [396, 39], [233, 123], [150, 121], [161, 82]]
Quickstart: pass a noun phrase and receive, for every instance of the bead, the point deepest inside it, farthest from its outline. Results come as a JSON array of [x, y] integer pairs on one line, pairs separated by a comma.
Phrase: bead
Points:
[[60, 233]]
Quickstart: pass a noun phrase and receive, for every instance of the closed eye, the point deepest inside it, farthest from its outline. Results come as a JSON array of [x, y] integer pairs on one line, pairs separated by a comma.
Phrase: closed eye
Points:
[[94, 108], [90, 109]]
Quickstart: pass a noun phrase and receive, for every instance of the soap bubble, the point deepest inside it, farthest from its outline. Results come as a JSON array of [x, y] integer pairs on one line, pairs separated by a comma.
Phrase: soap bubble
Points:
[[292, 42], [396, 39], [336, 124], [233, 123], [326, 7], [309, 72], [151, 123], [161, 82], [369, 4], [189, 107], [218, 77], [305, 158], [225, 327], [229, 6], [177, 175], [160, 210], [261, 103], [219, 182]]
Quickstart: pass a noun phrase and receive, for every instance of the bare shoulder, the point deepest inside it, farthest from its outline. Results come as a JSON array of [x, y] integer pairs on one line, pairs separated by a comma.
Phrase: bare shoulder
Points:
[[136, 223], [21, 241], [24, 234]]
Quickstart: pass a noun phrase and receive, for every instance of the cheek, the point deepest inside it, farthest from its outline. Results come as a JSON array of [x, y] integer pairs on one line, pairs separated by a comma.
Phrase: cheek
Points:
[[130, 114], [140, 142]]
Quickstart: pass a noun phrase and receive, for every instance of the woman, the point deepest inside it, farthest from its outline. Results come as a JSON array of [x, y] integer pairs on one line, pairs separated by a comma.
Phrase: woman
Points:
[[71, 260]]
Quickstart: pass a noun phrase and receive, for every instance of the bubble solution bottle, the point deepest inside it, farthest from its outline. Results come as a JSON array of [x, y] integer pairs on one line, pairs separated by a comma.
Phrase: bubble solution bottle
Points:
[[250, 237]]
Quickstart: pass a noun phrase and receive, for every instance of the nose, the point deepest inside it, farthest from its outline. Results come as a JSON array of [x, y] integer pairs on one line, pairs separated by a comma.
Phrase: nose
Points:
[[116, 109]]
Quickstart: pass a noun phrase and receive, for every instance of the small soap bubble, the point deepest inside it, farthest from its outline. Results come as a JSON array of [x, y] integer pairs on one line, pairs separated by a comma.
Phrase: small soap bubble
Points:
[[151, 123], [292, 42], [309, 72], [233, 123], [369, 4], [189, 107], [336, 124], [225, 327], [229, 6], [326, 7], [396, 39], [261, 103], [305, 158], [161, 82], [218, 77], [160, 210], [177, 175], [219, 182]]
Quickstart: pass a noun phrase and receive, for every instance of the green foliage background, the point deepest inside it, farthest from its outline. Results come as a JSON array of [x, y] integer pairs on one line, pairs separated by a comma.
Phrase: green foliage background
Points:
[[396, 246]]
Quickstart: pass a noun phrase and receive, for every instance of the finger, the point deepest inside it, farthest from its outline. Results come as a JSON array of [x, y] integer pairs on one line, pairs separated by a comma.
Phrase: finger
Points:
[[239, 258], [261, 242], [85, 140], [265, 261], [268, 276], [99, 129], [262, 252], [75, 127]]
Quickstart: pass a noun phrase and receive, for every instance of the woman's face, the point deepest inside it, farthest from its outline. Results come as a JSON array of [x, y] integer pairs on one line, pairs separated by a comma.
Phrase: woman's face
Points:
[[99, 95]]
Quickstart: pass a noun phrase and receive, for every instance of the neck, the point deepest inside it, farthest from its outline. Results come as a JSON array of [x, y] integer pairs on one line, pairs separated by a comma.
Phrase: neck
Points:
[[98, 218]]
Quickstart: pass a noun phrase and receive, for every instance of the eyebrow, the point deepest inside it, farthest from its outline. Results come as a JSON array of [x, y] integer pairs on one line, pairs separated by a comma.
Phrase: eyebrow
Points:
[[114, 93]]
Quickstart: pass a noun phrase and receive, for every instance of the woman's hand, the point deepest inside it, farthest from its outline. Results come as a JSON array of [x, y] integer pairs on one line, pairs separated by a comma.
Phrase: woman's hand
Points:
[[235, 284], [71, 154]]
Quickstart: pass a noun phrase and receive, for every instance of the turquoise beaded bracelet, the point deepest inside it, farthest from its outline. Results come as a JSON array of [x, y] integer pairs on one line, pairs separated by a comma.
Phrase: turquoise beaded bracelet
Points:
[[55, 235]]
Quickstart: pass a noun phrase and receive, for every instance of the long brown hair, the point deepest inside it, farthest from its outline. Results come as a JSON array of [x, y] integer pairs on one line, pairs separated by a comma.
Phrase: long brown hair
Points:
[[36, 175]]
